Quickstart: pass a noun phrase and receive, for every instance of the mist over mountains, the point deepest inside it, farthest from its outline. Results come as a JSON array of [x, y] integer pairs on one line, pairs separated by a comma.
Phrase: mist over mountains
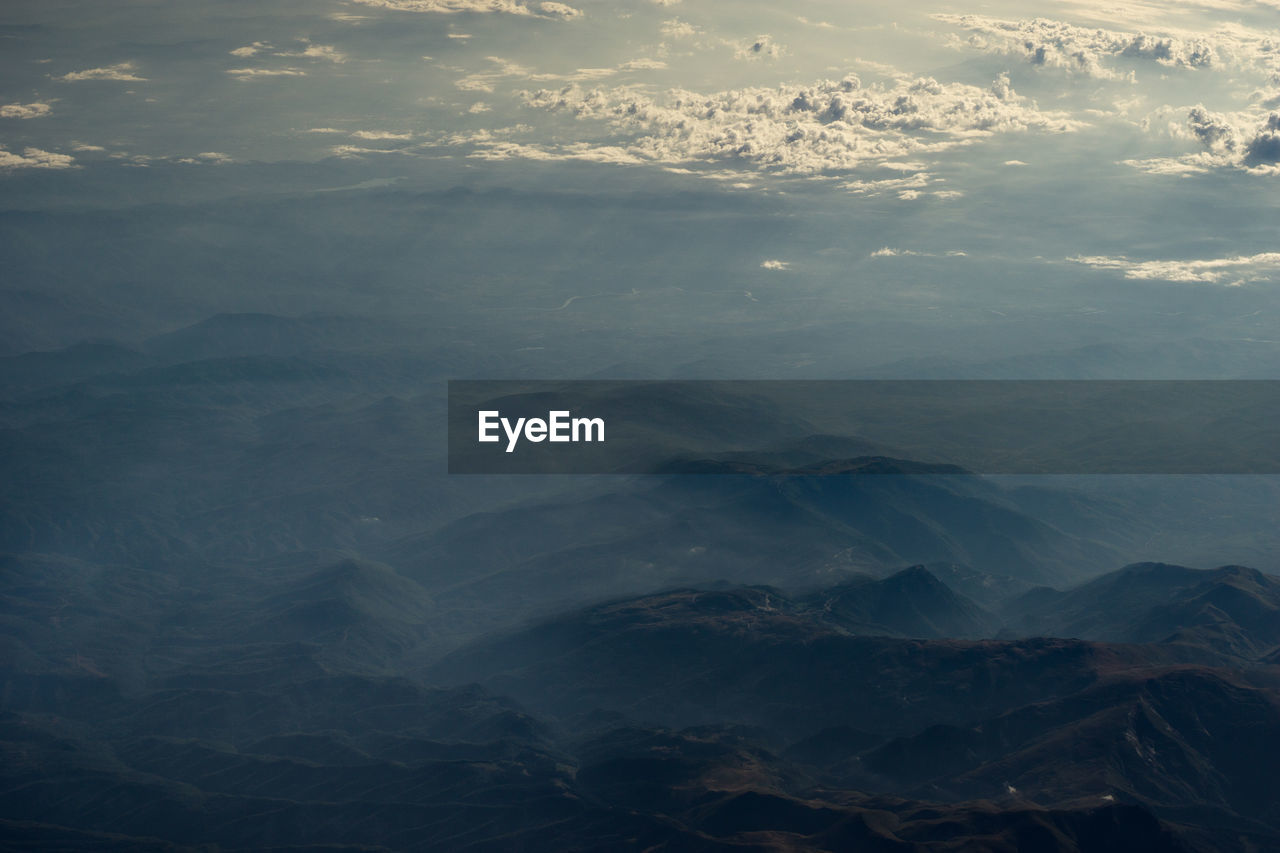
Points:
[[244, 608]]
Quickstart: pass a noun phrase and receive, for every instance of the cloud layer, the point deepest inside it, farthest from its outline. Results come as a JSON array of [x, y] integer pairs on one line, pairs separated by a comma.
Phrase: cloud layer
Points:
[[35, 110], [35, 158], [121, 71], [553, 10], [1087, 50], [1238, 270], [829, 127]]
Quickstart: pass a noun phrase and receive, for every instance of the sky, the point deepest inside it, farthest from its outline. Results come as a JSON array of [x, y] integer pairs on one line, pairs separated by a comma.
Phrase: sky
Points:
[[1075, 173]]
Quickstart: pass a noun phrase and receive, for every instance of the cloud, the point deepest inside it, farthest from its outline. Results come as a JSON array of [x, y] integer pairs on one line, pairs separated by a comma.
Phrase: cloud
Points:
[[678, 29], [775, 264], [350, 151], [558, 10], [251, 49], [761, 47], [504, 150], [308, 51], [1232, 271], [381, 134], [1055, 44], [214, 158], [1166, 166], [486, 81], [35, 158], [550, 10], [251, 73], [1094, 52], [642, 65], [829, 127], [327, 52], [1246, 141], [1211, 130], [890, 252], [822, 25], [34, 110], [907, 187], [119, 71], [1264, 148], [1143, 13]]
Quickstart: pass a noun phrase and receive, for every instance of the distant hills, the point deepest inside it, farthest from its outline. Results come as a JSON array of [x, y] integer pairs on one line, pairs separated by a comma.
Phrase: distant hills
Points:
[[243, 607], [1233, 610], [710, 719], [195, 706], [1172, 722], [794, 531]]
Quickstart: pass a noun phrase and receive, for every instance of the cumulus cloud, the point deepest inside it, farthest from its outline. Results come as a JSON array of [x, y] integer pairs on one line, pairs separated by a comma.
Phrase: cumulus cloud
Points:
[[1246, 141], [34, 110], [1264, 148], [775, 264], [120, 71], [35, 158], [1232, 271], [760, 47], [1212, 131], [829, 127], [1087, 50], [552, 10]]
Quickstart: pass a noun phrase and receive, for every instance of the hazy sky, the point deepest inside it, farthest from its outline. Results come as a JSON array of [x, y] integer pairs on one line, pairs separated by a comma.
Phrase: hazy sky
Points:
[[1115, 147]]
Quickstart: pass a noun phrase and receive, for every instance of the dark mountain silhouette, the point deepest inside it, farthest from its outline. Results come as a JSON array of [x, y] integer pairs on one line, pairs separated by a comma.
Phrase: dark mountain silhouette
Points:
[[911, 603], [1026, 723], [1231, 610], [751, 655]]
